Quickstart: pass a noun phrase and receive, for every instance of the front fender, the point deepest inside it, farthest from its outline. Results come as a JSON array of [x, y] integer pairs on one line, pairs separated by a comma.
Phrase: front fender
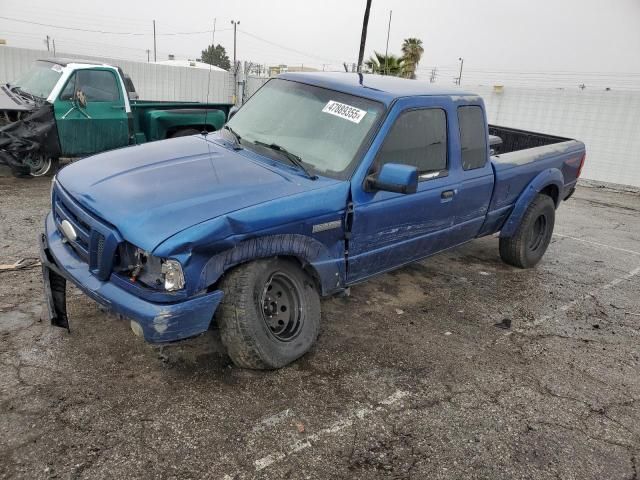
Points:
[[328, 269], [551, 176]]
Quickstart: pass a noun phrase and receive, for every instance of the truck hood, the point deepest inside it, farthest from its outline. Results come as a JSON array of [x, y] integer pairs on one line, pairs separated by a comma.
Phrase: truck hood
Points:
[[10, 101], [153, 191]]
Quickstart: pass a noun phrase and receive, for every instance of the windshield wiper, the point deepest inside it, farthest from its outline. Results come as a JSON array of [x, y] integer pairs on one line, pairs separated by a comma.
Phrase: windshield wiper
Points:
[[236, 137], [292, 157], [22, 93]]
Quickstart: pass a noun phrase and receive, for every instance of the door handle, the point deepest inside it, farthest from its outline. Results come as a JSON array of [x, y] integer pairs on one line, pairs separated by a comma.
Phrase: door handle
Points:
[[117, 107], [447, 194]]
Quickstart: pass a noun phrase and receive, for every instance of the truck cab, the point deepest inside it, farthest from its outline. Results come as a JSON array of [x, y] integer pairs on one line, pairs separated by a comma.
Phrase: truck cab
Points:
[[92, 109]]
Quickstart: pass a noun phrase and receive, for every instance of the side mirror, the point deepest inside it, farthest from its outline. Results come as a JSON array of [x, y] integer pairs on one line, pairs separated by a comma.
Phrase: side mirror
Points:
[[495, 142], [394, 177], [232, 111], [81, 98]]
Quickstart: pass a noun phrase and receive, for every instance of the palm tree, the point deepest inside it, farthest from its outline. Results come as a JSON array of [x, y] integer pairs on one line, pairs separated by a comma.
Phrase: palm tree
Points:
[[385, 65], [411, 54]]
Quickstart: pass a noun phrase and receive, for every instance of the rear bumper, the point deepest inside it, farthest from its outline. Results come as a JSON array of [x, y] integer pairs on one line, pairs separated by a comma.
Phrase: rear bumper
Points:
[[159, 322]]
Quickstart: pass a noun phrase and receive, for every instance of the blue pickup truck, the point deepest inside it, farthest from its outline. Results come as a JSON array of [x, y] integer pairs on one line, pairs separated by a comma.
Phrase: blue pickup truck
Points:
[[319, 182]]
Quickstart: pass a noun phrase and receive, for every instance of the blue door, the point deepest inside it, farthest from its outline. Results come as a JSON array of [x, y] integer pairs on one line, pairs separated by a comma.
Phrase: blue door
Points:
[[475, 173], [391, 229]]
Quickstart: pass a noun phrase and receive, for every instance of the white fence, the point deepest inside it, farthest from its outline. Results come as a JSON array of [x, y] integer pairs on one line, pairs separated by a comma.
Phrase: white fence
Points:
[[152, 82], [607, 121]]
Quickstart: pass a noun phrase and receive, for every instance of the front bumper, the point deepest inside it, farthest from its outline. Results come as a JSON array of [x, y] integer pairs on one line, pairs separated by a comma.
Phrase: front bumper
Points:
[[160, 322]]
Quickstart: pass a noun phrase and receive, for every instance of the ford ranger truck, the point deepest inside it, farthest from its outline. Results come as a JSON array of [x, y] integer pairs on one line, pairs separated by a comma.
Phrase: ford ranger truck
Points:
[[74, 108], [319, 182]]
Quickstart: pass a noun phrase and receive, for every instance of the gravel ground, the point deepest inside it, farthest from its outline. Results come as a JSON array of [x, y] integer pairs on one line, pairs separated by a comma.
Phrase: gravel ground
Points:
[[411, 377]]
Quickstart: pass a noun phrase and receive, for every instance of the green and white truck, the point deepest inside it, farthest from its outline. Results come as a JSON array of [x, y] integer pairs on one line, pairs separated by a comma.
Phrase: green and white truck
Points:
[[69, 108]]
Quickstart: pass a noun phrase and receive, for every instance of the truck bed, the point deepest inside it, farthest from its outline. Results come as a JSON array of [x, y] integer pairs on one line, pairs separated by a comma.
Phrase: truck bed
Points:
[[522, 156]]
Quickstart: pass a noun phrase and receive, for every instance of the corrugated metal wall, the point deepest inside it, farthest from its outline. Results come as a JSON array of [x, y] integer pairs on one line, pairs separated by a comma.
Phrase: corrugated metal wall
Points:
[[153, 82]]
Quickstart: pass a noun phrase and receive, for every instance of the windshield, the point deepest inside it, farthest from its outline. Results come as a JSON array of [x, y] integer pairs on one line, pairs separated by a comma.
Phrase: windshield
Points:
[[40, 79], [324, 128]]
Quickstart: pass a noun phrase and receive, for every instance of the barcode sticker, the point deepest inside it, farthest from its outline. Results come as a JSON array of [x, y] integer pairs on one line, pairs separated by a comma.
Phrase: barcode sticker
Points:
[[345, 111]]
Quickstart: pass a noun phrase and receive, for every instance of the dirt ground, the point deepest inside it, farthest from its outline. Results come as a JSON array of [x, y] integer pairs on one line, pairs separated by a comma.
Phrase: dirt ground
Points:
[[411, 377]]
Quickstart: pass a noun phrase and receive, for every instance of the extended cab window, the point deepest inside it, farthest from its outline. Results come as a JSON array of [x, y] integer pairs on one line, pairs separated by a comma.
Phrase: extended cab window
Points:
[[473, 137], [97, 85], [417, 138]]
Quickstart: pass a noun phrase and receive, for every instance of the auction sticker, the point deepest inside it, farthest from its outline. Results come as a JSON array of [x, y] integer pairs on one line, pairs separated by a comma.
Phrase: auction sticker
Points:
[[345, 111]]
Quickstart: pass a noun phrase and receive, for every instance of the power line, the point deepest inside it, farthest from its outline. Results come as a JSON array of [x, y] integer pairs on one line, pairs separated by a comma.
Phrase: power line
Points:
[[77, 29], [310, 55]]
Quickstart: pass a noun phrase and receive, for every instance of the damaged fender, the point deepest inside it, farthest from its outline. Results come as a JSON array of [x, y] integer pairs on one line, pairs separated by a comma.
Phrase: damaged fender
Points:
[[327, 269], [34, 134]]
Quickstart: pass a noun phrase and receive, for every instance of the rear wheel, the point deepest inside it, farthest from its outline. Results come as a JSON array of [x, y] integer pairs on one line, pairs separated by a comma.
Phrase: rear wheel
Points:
[[270, 313], [185, 132], [530, 241]]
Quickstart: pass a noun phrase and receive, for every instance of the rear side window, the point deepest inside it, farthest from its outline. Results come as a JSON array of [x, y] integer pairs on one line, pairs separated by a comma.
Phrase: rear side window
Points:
[[417, 138], [473, 137]]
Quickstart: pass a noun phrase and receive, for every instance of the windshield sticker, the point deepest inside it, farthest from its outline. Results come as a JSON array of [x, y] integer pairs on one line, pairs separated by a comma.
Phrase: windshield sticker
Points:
[[342, 110], [56, 68]]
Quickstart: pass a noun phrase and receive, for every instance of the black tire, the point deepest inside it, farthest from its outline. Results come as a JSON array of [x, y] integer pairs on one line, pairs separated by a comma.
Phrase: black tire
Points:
[[185, 132], [270, 313], [531, 239], [36, 166], [48, 168]]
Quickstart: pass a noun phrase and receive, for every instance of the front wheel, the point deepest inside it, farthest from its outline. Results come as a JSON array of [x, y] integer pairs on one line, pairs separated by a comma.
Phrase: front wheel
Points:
[[270, 314], [41, 165], [527, 246]]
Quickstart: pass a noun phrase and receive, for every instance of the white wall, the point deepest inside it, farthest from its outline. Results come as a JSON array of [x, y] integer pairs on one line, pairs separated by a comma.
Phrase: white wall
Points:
[[608, 122], [152, 81]]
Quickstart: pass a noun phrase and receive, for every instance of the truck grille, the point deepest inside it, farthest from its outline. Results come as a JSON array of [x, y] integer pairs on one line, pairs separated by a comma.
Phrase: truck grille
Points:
[[96, 241]]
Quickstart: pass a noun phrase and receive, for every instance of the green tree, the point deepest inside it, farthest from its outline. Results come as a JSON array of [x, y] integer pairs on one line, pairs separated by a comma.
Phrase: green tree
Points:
[[216, 56], [385, 65], [412, 51]]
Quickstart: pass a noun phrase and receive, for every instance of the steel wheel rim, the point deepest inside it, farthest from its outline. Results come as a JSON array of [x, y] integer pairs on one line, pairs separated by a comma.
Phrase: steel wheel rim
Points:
[[538, 233], [39, 165], [281, 307]]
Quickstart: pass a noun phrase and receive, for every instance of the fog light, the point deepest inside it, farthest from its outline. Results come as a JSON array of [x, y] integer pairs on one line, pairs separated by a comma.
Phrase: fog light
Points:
[[173, 276], [137, 329]]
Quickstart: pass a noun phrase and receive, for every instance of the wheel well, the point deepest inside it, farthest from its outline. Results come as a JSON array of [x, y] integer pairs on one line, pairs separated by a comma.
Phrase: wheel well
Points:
[[551, 191], [200, 128], [306, 267]]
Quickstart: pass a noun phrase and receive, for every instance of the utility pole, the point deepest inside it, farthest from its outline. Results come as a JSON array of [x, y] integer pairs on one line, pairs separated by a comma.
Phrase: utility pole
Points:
[[386, 52], [461, 65], [213, 36], [434, 73], [54, 46], [148, 52], [47, 42], [155, 58], [235, 23], [363, 37]]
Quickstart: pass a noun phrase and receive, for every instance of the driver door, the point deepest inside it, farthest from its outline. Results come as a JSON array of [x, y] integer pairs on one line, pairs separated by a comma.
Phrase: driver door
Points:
[[392, 229], [98, 123]]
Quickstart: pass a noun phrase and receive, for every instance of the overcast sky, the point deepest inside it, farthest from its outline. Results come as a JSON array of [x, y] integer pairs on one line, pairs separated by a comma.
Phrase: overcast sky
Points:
[[493, 36]]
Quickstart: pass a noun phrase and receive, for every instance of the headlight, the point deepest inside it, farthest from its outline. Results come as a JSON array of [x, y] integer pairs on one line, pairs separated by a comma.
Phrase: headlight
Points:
[[154, 272], [173, 276]]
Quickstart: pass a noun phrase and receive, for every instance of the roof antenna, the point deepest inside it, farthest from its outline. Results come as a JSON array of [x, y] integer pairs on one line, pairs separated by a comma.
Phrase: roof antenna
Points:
[[206, 110]]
